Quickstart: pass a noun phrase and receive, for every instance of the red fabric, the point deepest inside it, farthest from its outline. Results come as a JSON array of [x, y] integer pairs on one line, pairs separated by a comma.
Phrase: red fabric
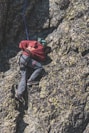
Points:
[[37, 54]]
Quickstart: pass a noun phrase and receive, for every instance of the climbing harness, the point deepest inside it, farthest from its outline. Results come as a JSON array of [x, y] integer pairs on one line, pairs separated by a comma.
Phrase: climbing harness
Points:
[[25, 61], [24, 19]]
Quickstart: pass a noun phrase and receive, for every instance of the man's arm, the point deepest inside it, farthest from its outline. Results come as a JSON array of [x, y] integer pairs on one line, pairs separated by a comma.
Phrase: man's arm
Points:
[[24, 44]]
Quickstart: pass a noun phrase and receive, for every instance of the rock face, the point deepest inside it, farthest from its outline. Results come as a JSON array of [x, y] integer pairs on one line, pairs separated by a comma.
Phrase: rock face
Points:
[[60, 104]]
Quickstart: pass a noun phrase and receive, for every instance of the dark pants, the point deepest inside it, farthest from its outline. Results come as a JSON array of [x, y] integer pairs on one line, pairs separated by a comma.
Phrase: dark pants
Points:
[[25, 64]]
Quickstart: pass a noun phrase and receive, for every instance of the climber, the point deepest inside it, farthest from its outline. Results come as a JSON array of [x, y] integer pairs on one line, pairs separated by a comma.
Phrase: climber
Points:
[[33, 53]]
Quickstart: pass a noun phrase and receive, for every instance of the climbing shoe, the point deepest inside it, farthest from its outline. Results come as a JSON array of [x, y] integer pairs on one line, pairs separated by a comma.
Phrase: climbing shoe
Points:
[[18, 96], [30, 83]]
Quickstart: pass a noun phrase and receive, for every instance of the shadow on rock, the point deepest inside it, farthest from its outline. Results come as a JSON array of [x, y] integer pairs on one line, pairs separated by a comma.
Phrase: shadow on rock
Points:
[[7, 54], [22, 107]]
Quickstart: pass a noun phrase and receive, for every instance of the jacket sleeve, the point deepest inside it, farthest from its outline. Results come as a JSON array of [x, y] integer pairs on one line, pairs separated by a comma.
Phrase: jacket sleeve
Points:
[[23, 44]]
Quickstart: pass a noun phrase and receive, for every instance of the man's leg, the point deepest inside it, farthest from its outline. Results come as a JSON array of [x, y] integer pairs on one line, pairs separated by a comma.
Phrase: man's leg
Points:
[[37, 70], [35, 74], [22, 84]]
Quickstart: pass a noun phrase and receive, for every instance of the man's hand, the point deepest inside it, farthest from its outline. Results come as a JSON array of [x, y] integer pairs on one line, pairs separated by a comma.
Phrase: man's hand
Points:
[[30, 48]]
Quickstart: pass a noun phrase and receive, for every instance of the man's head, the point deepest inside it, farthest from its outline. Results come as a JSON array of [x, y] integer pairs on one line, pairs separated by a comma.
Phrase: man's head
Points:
[[42, 41]]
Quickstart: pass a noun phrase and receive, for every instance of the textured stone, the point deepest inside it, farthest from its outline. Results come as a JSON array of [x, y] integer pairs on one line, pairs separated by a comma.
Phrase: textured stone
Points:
[[60, 104]]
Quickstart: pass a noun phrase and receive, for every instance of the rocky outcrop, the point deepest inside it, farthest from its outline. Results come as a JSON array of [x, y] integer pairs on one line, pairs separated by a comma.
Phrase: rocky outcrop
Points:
[[60, 103]]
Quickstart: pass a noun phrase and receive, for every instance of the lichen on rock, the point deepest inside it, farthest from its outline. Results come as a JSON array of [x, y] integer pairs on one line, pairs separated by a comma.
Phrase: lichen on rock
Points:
[[60, 103]]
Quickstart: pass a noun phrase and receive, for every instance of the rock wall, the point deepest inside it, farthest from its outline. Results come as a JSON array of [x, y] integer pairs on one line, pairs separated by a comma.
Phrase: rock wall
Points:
[[4, 5], [60, 103]]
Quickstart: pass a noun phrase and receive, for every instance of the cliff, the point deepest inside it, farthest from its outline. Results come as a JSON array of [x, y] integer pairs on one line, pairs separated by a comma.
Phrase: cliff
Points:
[[60, 104]]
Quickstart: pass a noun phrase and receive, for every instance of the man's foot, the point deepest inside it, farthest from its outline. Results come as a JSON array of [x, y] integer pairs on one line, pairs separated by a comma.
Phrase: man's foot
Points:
[[30, 83], [18, 97]]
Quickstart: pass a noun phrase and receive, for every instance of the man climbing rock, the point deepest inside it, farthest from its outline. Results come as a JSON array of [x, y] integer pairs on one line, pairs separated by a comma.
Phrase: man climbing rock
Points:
[[33, 53]]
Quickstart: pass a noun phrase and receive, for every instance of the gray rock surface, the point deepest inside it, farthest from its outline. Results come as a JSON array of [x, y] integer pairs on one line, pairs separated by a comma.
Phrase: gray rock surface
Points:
[[60, 104]]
